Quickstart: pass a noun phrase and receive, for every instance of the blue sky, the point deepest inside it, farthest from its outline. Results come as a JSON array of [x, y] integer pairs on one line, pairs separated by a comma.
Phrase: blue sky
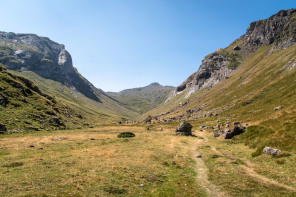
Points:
[[120, 44]]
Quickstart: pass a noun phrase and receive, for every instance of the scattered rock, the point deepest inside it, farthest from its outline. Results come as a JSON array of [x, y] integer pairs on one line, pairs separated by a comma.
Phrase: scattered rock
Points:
[[92, 139], [215, 156], [58, 139], [184, 129], [216, 134], [174, 163], [236, 48], [148, 119], [2, 128], [271, 151], [31, 146], [217, 127], [230, 133], [57, 120], [277, 108], [161, 129], [198, 156], [33, 128], [40, 148], [126, 135], [27, 122], [247, 102]]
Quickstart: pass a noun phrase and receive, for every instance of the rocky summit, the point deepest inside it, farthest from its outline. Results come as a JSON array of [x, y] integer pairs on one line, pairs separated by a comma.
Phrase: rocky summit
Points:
[[278, 30], [29, 52]]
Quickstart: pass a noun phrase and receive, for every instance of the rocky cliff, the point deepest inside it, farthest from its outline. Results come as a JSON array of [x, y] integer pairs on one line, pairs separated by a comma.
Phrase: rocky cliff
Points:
[[29, 52], [278, 30]]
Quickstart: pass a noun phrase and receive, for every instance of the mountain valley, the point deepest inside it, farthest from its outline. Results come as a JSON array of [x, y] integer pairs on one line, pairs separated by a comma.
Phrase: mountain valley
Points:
[[62, 136]]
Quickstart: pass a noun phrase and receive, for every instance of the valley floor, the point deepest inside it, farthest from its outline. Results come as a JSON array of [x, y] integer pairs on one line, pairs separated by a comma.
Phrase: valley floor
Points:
[[94, 162]]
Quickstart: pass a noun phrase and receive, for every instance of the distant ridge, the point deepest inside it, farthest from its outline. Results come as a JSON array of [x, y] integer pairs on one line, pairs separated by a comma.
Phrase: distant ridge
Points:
[[143, 99]]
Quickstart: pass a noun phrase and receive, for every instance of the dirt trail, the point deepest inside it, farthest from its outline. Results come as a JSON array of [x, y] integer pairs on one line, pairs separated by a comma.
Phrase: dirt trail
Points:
[[201, 169], [249, 169]]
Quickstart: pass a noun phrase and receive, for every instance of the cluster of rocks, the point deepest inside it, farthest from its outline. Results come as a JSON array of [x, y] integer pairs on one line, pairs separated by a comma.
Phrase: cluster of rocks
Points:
[[228, 133]]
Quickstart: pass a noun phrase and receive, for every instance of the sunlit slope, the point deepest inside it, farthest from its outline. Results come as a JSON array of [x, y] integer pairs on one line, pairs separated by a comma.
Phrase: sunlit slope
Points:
[[141, 100], [24, 107], [105, 111], [265, 80]]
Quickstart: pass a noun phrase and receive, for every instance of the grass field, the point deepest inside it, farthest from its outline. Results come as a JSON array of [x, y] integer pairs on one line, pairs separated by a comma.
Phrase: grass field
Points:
[[94, 162]]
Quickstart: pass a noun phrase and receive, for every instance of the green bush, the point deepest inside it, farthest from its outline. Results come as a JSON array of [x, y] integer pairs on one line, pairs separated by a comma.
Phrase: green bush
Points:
[[126, 135]]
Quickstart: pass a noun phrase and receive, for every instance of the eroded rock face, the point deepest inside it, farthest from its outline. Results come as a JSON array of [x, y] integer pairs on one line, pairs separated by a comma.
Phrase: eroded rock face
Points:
[[213, 69], [184, 129], [278, 30], [29, 52]]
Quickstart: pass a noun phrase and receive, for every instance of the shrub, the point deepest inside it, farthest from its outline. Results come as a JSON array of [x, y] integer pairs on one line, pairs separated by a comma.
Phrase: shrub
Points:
[[126, 135]]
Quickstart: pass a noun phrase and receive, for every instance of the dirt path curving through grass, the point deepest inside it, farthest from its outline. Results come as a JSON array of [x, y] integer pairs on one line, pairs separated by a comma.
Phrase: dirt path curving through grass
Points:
[[249, 169], [248, 166], [202, 175]]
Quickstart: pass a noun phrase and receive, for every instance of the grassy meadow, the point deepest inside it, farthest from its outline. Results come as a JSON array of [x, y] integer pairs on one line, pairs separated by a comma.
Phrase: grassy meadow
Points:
[[94, 162]]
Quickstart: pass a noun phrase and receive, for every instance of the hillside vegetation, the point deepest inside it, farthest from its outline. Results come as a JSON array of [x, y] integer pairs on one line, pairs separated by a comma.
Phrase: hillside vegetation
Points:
[[24, 107], [50, 66], [260, 91], [106, 111], [143, 99]]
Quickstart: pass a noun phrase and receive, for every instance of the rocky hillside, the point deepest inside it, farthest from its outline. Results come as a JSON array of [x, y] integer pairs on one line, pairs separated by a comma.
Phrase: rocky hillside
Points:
[[278, 30], [45, 62], [251, 81], [24, 107], [29, 52], [143, 99]]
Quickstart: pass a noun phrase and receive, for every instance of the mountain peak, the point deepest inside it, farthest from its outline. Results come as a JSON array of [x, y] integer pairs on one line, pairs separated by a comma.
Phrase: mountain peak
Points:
[[154, 84], [278, 31]]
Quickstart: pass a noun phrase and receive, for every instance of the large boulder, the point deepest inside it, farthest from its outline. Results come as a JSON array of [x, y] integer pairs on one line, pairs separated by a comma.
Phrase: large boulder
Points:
[[230, 133], [184, 129], [271, 151]]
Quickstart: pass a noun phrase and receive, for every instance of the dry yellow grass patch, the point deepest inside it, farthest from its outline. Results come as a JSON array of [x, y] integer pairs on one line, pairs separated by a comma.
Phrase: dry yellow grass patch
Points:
[[70, 164]]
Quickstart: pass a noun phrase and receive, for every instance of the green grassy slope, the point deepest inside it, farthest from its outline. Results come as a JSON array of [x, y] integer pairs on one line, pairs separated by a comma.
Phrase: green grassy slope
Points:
[[263, 82], [23, 107], [103, 112], [141, 100]]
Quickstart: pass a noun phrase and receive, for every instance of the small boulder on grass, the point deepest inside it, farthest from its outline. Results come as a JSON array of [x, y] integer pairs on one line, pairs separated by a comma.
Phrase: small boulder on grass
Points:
[[271, 151], [126, 135]]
